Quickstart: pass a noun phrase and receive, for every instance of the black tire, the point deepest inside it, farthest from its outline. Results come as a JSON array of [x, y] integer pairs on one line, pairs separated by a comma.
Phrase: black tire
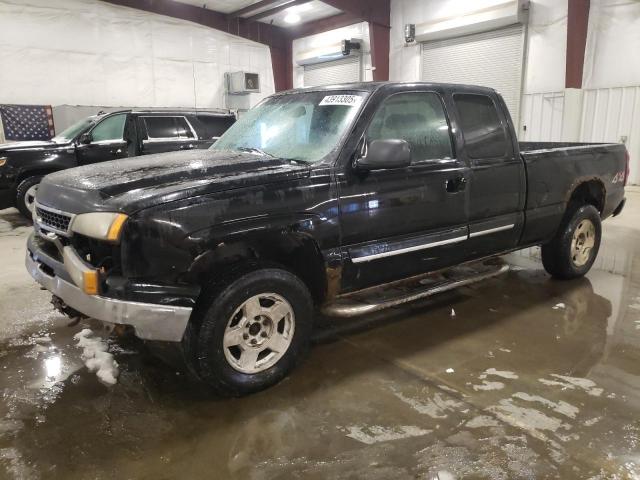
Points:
[[558, 258], [203, 342], [21, 192]]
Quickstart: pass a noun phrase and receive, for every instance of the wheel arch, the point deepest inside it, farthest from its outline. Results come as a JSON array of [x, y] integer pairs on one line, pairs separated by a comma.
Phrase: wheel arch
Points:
[[589, 191], [296, 252]]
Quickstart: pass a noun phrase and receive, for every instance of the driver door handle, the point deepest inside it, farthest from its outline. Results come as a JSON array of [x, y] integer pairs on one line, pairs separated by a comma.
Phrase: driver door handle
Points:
[[457, 184]]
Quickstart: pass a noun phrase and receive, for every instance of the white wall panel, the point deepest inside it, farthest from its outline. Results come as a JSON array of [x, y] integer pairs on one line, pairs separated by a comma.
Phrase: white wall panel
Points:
[[89, 52], [321, 41], [608, 115], [542, 117], [491, 59], [345, 70]]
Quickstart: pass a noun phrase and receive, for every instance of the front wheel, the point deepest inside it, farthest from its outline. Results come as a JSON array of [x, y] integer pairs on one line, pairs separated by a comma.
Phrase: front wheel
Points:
[[571, 253], [253, 333], [26, 195]]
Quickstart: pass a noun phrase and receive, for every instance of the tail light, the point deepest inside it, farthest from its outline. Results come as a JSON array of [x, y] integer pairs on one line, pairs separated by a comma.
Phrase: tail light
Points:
[[626, 168]]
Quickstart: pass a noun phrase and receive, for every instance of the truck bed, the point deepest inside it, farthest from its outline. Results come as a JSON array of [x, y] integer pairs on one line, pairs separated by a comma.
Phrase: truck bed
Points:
[[554, 169]]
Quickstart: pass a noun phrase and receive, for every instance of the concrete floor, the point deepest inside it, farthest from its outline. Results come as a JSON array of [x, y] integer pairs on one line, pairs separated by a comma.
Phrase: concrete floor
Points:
[[490, 381]]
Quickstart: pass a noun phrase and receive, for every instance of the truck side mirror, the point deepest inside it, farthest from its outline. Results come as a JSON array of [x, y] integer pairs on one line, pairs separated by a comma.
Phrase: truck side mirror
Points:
[[383, 154], [85, 139]]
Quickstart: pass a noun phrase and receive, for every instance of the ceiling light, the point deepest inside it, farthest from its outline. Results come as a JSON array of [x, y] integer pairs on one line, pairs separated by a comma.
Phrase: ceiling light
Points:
[[292, 17]]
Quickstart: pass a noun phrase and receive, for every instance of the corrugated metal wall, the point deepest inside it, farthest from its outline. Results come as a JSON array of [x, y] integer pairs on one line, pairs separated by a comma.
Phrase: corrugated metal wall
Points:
[[609, 115], [541, 117]]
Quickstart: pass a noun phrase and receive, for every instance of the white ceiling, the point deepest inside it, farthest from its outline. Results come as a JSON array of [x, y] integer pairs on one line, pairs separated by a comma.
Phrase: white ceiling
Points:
[[308, 12]]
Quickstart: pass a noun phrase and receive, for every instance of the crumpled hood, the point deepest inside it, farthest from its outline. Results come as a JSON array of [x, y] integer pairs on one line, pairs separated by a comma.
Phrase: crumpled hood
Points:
[[132, 184]]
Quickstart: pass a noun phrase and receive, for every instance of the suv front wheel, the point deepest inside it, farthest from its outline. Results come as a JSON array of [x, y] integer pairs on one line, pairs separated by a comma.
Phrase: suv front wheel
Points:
[[253, 333], [26, 195]]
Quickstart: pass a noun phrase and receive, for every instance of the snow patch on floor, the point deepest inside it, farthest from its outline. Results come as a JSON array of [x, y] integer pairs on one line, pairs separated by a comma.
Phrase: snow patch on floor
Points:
[[498, 373], [572, 383], [436, 407], [96, 357], [486, 385], [558, 306], [482, 421], [376, 433], [560, 407], [529, 419]]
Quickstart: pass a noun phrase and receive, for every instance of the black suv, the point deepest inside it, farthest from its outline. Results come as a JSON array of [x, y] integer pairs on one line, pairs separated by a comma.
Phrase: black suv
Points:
[[99, 138]]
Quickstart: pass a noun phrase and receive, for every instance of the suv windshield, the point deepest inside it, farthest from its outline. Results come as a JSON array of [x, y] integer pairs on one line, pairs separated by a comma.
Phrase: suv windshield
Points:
[[72, 132], [302, 126]]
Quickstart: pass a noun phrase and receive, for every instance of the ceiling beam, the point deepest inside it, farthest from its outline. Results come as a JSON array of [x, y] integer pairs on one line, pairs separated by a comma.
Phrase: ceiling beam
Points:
[[372, 11], [278, 9], [323, 25], [253, 7]]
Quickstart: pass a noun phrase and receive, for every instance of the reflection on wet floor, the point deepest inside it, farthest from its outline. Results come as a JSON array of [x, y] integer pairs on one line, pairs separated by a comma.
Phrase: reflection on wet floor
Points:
[[531, 378]]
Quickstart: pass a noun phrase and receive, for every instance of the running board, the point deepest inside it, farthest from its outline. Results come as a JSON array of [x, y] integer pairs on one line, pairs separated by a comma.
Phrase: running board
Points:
[[397, 293]]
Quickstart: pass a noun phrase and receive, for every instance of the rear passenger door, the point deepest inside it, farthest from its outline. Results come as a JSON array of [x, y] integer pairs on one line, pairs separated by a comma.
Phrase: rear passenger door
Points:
[[497, 181], [166, 133], [403, 221]]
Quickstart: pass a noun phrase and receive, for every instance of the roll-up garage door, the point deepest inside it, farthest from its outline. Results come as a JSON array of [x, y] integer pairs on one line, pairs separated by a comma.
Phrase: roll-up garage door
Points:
[[491, 59], [344, 70]]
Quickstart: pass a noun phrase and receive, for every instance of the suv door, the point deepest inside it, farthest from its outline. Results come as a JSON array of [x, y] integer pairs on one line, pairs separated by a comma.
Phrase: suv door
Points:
[[106, 141], [399, 222], [497, 183], [162, 133]]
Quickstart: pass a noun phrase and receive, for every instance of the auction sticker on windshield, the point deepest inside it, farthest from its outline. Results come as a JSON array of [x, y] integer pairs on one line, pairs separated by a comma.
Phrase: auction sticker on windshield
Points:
[[347, 100]]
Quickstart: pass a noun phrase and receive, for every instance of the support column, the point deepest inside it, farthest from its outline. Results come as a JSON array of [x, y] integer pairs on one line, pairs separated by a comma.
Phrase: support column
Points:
[[379, 37], [577, 24]]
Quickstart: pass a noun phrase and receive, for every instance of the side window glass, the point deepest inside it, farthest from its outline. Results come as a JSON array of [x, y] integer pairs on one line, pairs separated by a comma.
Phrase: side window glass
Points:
[[184, 130], [484, 134], [111, 128], [161, 127], [215, 126], [418, 118]]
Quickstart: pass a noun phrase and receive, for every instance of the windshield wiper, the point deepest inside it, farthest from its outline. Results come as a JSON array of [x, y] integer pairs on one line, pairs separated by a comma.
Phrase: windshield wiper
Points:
[[255, 150]]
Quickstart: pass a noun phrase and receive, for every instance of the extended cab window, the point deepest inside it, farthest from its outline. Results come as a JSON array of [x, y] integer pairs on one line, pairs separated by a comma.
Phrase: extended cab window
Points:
[[484, 134], [111, 128], [418, 118]]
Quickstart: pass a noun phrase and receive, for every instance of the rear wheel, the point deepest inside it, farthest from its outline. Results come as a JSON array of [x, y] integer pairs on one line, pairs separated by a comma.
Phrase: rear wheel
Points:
[[254, 332], [26, 195], [575, 246]]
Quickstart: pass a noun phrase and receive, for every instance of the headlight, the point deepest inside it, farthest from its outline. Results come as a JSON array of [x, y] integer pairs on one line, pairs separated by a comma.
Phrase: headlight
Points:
[[3, 160], [99, 225]]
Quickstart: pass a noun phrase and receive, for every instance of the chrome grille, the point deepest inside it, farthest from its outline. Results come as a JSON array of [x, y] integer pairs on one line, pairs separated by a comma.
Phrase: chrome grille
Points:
[[53, 220]]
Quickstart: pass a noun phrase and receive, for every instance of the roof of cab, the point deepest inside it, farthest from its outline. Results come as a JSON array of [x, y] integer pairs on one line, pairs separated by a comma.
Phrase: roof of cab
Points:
[[373, 86]]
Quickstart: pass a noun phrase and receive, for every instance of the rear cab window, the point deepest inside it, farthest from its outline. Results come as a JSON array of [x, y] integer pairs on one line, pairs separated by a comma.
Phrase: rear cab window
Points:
[[485, 135]]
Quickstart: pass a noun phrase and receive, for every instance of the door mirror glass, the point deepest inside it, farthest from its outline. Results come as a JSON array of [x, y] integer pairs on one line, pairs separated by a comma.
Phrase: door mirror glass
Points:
[[85, 139], [383, 154]]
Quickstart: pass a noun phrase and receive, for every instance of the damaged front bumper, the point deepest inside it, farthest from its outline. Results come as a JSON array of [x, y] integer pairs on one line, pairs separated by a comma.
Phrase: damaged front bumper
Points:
[[150, 321]]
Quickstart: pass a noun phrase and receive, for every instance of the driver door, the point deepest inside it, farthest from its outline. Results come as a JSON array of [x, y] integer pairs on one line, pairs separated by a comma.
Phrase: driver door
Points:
[[404, 221], [107, 141]]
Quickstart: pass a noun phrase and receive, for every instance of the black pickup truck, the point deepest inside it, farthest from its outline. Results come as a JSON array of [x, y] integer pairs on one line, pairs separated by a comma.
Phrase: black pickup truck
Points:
[[323, 198], [100, 138]]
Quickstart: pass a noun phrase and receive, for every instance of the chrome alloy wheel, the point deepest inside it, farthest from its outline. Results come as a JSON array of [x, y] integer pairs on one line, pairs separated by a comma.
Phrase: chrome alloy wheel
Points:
[[30, 196], [584, 238], [259, 333]]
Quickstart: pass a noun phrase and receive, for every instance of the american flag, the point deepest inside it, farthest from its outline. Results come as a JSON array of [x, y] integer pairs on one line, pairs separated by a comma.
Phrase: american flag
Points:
[[27, 122]]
